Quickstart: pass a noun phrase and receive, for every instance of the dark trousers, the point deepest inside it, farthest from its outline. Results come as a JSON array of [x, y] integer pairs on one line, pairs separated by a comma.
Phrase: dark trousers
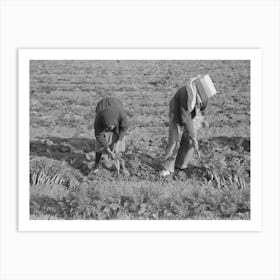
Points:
[[179, 150]]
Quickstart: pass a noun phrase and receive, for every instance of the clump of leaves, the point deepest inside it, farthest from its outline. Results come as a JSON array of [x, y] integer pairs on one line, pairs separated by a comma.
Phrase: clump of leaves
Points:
[[139, 200], [44, 171]]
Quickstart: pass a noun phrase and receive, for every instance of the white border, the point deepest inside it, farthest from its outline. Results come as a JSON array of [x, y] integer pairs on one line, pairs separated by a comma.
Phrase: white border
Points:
[[254, 55]]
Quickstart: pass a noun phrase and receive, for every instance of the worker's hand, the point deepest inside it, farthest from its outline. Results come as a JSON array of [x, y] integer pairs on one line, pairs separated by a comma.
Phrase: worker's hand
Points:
[[115, 146], [195, 145], [112, 154]]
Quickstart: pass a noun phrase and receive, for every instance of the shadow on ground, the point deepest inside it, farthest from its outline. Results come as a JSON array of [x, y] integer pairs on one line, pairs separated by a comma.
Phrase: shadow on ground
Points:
[[79, 154]]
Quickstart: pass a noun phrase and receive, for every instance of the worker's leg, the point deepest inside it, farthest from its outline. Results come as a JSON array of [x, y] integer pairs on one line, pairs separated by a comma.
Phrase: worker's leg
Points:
[[98, 154], [124, 171], [119, 148], [169, 158], [99, 150], [185, 152], [97, 162], [97, 159]]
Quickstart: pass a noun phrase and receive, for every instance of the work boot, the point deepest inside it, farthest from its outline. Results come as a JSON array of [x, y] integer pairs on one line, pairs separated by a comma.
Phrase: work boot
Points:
[[164, 173], [178, 169]]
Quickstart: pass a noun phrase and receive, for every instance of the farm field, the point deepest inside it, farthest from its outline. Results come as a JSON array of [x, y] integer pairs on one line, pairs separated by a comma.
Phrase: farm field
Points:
[[63, 96]]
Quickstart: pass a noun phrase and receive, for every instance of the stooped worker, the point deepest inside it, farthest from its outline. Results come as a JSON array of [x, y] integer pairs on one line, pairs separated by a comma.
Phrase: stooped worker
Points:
[[187, 105], [110, 126]]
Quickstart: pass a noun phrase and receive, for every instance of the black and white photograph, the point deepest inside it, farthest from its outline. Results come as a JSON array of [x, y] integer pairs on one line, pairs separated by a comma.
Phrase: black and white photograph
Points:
[[140, 139]]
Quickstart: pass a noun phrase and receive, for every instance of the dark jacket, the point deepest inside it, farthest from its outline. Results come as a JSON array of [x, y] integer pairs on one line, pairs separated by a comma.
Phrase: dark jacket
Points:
[[179, 113], [109, 111]]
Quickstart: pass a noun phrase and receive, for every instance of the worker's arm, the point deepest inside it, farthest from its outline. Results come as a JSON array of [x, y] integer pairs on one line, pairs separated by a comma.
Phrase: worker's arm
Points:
[[123, 126], [99, 130], [186, 116], [203, 106], [187, 122], [189, 129], [100, 137], [122, 129]]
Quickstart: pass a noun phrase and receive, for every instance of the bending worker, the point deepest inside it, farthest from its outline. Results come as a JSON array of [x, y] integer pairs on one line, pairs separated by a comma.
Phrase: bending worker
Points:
[[110, 126], [187, 105]]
